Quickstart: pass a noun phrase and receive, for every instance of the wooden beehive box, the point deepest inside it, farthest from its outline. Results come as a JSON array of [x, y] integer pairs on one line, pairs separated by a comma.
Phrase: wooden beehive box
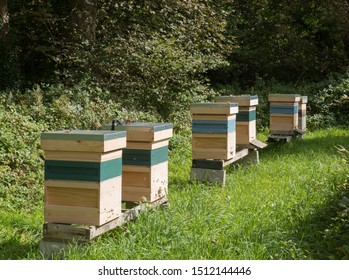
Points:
[[245, 118], [302, 113], [82, 176], [213, 130], [145, 161], [283, 113]]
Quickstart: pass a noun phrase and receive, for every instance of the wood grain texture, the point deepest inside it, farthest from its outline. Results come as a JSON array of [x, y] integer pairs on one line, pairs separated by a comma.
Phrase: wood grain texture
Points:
[[242, 100], [284, 97], [82, 156], [95, 204], [144, 184], [83, 146], [211, 108], [213, 146]]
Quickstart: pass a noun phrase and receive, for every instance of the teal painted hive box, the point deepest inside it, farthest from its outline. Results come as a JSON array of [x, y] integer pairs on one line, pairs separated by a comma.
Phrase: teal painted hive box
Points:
[[302, 113], [213, 130], [83, 174], [245, 118], [145, 160], [283, 113]]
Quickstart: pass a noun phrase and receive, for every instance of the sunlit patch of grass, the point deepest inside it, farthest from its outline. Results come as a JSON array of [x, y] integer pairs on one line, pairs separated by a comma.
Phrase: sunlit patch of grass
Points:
[[284, 208]]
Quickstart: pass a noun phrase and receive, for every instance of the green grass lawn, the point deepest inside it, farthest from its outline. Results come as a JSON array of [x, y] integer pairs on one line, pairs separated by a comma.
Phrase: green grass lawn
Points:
[[293, 205]]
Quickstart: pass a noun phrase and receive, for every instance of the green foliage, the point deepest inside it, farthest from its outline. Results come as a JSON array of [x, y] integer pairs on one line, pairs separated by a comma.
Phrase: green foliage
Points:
[[153, 54], [21, 161], [290, 41], [327, 105], [330, 105], [23, 117]]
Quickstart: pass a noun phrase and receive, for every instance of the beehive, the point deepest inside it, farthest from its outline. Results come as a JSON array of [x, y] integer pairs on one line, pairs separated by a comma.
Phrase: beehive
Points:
[[283, 113], [245, 118], [213, 130], [302, 113], [145, 161], [82, 176]]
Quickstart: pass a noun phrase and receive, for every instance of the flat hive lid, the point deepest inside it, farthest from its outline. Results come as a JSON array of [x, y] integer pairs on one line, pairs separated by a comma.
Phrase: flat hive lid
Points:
[[82, 135], [242, 100], [83, 140], [284, 97], [144, 131], [212, 108]]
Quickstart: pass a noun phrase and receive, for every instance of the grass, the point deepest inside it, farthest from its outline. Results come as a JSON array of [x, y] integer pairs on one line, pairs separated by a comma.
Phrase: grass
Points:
[[287, 207]]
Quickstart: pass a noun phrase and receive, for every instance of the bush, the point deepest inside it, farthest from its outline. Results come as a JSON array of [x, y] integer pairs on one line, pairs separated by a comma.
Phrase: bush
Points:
[[23, 117], [328, 102]]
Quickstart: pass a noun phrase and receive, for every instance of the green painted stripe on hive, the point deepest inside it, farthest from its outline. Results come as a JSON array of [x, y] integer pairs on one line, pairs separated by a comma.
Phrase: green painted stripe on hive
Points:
[[144, 157], [83, 135], [82, 171], [213, 126], [246, 116]]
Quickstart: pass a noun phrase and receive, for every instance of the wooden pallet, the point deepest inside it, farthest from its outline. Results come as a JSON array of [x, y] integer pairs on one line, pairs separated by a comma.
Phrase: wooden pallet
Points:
[[279, 137], [213, 170], [57, 236]]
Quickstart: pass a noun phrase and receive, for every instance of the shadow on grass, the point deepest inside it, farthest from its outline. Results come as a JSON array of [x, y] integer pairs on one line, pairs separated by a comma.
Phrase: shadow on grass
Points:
[[14, 249], [324, 144], [325, 234]]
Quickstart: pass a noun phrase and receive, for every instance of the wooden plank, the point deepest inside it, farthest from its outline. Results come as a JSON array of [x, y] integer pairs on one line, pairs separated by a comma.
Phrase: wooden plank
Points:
[[145, 132], [147, 145], [211, 108], [284, 97], [258, 144], [242, 100], [239, 154], [145, 185], [72, 197], [82, 135], [251, 158], [85, 233], [277, 138], [82, 156], [80, 205], [214, 146], [218, 164], [78, 215], [83, 146], [245, 132]]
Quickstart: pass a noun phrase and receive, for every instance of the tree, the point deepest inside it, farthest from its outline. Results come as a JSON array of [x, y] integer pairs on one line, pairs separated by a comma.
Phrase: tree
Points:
[[4, 22]]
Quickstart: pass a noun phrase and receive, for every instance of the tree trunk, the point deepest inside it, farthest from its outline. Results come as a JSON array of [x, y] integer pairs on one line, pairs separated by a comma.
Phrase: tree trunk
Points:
[[4, 22], [84, 18]]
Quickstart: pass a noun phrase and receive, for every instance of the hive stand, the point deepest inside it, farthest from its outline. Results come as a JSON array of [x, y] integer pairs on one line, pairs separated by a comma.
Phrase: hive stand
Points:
[[214, 141], [284, 117], [57, 237], [145, 161]]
